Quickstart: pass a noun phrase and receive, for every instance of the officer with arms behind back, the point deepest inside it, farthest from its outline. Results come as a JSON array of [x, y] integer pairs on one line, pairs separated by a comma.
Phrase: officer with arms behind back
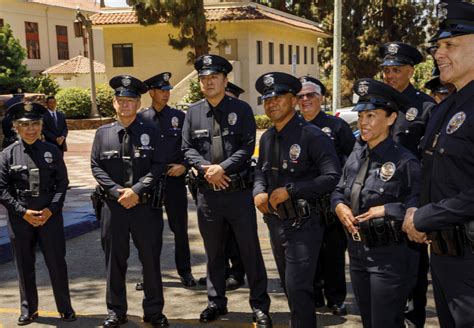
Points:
[[446, 215], [126, 164], [379, 182], [218, 141], [297, 164], [169, 122], [330, 272], [33, 184]]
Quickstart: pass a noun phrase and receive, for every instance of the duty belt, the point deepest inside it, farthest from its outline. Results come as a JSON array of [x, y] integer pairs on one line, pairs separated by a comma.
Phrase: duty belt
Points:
[[453, 241], [236, 183], [379, 232], [33, 193]]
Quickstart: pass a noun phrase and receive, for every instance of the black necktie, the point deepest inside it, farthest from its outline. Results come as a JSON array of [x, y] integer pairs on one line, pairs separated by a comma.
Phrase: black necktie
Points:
[[55, 119], [275, 163], [127, 158], [217, 151], [358, 184]]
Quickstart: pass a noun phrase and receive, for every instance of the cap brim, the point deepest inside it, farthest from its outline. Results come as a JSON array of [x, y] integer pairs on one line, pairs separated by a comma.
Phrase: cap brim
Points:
[[369, 106], [393, 62], [209, 71], [127, 94], [445, 34], [166, 87], [31, 118], [274, 94]]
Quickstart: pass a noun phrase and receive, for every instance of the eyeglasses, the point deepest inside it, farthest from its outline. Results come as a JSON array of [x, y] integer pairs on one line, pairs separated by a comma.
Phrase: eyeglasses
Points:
[[309, 95], [27, 124]]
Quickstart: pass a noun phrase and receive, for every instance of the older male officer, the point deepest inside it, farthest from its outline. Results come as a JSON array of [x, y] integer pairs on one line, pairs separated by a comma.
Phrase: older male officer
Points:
[[218, 141], [398, 64], [169, 122], [446, 217], [297, 164], [330, 272], [126, 163]]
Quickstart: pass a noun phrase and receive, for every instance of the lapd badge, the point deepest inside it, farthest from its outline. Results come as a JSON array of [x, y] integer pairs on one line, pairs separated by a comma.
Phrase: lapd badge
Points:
[[327, 130], [145, 139], [207, 60], [268, 80], [232, 118], [166, 77], [411, 114], [284, 165], [363, 88], [28, 107], [48, 157], [442, 11], [387, 171], [392, 48], [126, 81], [174, 122], [295, 151], [455, 122]]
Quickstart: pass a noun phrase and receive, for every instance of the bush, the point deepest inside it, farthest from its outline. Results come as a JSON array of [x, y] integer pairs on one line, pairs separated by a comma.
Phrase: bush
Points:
[[40, 84], [74, 102], [263, 122], [194, 93], [105, 97]]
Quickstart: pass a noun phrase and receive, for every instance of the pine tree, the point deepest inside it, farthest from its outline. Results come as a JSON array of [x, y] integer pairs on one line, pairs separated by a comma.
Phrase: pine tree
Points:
[[12, 54]]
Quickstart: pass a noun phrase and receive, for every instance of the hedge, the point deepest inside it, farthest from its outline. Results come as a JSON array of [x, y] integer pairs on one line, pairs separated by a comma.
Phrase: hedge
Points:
[[263, 122], [74, 102]]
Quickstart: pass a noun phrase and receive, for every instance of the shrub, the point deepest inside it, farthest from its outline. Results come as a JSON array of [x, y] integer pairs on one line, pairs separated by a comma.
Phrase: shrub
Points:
[[41, 84], [194, 93], [263, 122], [74, 102], [105, 97]]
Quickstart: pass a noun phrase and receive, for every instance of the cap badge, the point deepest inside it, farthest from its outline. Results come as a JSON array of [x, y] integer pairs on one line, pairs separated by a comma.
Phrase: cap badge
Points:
[[48, 157], [455, 122], [393, 49], [411, 114], [363, 88], [166, 77], [126, 81], [232, 118], [442, 11], [268, 80], [207, 60], [295, 151], [387, 171], [145, 139], [28, 107], [174, 122]]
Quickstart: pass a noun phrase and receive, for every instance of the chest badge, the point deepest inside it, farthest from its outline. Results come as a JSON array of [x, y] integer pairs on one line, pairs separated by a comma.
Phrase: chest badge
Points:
[[411, 114], [295, 151], [387, 171], [327, 130], [145, 139], [232, 118], [455, 122], [48, 157], [174, 122]]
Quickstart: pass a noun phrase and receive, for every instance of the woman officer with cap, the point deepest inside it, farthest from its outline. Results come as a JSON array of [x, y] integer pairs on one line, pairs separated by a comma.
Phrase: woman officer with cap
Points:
[[33, 184], [380, 181]]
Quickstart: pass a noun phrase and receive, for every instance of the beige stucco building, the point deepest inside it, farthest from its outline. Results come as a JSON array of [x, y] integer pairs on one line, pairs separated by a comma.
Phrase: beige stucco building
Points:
[[45, 29], [258, 40]]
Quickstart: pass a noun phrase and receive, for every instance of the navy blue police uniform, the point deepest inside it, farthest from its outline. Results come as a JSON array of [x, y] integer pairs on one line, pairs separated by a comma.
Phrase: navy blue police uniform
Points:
[[301, 158], [330, 273], [408, 131], [128, 157], [383, 266], [9, 135], [447, 188], [169, 121], [34, 177], [225, 135]]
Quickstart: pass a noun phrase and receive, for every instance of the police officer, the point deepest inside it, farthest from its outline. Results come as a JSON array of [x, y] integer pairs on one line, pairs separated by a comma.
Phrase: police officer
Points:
[[379, 182], [9, 135], [439, 90], [218, 141], [297, 164], [33, 184], [169, 122], [330, 272], [126, 163], [445, 217], [398, 64]]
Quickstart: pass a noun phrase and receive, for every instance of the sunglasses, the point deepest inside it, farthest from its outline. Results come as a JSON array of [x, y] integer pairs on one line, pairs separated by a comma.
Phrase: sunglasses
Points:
[[27, 124], [309, 95]]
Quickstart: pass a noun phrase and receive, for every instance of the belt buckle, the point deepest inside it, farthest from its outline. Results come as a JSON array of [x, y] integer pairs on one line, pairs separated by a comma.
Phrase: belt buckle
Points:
[[356, 236], [216, 188]]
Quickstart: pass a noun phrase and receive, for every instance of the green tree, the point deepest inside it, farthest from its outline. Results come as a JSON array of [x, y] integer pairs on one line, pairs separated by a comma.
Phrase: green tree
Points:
[[186, 15], [194, 93], [12, 54], [40, 84]]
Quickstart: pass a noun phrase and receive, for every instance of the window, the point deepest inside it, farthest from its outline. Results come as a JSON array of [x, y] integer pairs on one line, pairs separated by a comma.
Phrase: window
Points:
[[298, 55], [1, 22], [62, 42], [305, 55], [32, 40], [122, 55], [271, 55], [259, 53], [282, 53], [290, 54], [312, 56]]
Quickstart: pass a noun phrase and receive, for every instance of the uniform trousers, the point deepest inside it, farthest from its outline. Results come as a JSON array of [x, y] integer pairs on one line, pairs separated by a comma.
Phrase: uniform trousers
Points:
[[417, 314]]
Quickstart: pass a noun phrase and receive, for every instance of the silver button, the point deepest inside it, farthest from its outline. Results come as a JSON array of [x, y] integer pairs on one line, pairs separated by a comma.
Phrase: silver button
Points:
[[407, 131], [441, 150], [381, 190], [292, 170]]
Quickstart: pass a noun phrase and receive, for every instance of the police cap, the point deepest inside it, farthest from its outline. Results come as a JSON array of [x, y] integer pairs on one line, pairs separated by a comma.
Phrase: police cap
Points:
[[378, 95], [399, 54], [212, 64], [435, 85], [160, 81], [127, 86], [455, 18], [277, 83], [26, 111], [234, 89], [322, 88]]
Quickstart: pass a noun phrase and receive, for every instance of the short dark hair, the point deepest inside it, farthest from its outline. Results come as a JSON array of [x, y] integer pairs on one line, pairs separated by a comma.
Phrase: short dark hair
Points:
[[50, 97]]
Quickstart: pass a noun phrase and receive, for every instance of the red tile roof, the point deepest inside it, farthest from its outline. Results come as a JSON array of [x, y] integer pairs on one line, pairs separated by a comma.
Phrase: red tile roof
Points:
[[76, 65], [215, 14]]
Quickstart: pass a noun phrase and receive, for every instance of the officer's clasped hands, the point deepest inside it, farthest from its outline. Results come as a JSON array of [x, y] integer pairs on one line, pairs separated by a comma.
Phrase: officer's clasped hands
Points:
[[372, 213], [409, 228], [344, 213], [278, 196], [128, 198]]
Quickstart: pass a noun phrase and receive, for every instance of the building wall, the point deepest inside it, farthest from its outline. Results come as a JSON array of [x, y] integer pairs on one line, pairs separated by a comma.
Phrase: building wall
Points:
[[15, 13], [78, 80]]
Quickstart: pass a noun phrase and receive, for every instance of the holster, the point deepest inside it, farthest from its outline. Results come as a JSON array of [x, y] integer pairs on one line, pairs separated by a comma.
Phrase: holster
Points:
[[380, 232], [97, 198], [293, 209], [452, 241], [324, 206], [192, 183], [158, 194]]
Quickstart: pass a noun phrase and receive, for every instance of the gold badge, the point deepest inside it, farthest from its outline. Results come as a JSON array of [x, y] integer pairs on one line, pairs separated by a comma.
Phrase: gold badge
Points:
[[411, 114], [387, 171], [455, 122], [295, 151]]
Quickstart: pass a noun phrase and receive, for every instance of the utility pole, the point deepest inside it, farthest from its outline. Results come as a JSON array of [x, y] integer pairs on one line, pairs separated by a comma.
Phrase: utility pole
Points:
[[337, 41]]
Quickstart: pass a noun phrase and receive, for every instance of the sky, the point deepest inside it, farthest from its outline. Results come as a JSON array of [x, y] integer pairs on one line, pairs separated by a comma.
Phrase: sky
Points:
[[116, 3]]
